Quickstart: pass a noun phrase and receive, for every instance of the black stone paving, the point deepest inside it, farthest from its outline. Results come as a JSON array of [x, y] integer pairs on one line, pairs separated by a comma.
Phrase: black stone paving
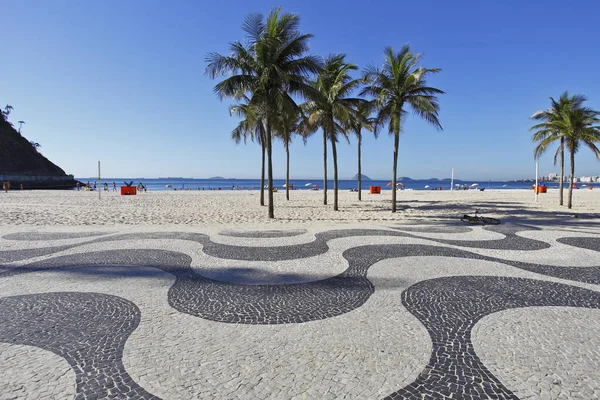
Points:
[[88, 330], [590, 243], [450, 307], [264, 234]]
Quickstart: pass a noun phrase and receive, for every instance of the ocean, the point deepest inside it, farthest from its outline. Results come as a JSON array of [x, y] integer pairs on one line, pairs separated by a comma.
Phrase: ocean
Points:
[[306, 184]]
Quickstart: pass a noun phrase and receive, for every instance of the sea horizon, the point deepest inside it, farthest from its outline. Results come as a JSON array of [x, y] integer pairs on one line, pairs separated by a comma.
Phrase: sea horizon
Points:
[[177, 183]]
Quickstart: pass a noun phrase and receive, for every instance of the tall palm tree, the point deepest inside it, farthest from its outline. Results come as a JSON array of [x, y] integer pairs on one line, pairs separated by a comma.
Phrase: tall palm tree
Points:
[[360, 120], [269, 68], [574, 125], [398, 84], [20, 125], [330, 109], [288, 123], [251, 126], [547, 131]]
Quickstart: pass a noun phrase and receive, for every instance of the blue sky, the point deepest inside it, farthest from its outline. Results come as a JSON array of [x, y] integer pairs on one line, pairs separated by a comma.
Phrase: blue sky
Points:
[[123, 82]]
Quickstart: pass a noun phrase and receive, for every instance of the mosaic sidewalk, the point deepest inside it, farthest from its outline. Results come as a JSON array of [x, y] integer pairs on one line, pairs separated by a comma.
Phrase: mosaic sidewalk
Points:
[[397, 312]]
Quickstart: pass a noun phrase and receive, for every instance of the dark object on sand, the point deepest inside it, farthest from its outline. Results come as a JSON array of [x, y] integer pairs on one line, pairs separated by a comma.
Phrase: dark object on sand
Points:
[[475, 220]]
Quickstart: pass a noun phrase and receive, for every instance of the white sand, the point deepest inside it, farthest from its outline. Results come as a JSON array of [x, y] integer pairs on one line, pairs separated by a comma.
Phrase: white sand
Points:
[[234, 208]]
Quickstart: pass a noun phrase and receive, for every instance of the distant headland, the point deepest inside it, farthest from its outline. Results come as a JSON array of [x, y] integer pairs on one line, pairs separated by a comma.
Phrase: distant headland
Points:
[[362, 177], [22, 164]]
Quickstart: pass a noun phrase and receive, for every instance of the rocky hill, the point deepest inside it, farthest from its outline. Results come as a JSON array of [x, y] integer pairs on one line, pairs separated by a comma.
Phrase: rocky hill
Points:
[[21, 163], [363, 178]]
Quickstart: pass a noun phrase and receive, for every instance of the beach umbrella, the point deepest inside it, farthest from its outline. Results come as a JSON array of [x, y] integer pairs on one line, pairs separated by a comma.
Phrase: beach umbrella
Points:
[[474, 184], [308, 184], [388, 184], [284, 185], [504, 185], [426, 186]]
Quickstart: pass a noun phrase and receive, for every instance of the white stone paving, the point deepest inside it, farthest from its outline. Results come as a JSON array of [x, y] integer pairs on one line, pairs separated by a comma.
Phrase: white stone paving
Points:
[[28, 372], [543, 352]]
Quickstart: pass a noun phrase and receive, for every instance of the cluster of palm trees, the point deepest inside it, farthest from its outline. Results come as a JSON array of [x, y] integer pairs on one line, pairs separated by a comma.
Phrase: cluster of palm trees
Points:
[[570, 123], [271, 71]]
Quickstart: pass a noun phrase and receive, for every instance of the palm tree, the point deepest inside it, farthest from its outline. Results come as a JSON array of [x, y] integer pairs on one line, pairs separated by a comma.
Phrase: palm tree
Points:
[[251, 126], [360, 119], [546, 132], [572, 123], [269, 68], [583, 129], [400, 83], [330, 109], [287, 123], [7, 111], [20, 125]]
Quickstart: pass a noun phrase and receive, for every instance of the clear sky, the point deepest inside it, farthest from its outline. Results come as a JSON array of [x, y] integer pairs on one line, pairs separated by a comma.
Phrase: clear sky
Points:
[[123, 82]]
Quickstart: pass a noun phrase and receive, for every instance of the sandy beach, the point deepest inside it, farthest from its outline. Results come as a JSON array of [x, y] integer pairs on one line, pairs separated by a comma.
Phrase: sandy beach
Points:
[[73, 208]]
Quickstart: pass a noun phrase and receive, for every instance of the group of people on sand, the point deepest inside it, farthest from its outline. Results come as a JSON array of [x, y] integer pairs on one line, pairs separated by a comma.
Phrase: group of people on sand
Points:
[[91, 187]]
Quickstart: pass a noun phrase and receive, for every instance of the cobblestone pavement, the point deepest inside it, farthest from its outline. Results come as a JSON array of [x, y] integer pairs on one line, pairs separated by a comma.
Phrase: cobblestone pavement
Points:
[[398, 312]]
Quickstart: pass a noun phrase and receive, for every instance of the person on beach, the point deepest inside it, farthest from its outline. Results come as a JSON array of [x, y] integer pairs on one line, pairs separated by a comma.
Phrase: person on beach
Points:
[[5, 186], [105, 187], [114, 186], [78, 186]]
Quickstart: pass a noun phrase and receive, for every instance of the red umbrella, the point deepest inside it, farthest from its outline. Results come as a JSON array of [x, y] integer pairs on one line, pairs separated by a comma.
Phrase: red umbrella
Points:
[[389, 184]]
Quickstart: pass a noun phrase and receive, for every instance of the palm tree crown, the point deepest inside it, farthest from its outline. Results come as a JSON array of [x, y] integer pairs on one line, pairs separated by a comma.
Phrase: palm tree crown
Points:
[[401, 83]]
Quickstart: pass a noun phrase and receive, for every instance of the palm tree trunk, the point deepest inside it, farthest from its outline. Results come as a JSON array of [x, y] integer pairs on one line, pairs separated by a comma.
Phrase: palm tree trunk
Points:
[[335, 176], [324, 167], [396, 143], [270, 169], [570, 201], [287, 172], [562, 168], [262, 175], [359, 170]]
